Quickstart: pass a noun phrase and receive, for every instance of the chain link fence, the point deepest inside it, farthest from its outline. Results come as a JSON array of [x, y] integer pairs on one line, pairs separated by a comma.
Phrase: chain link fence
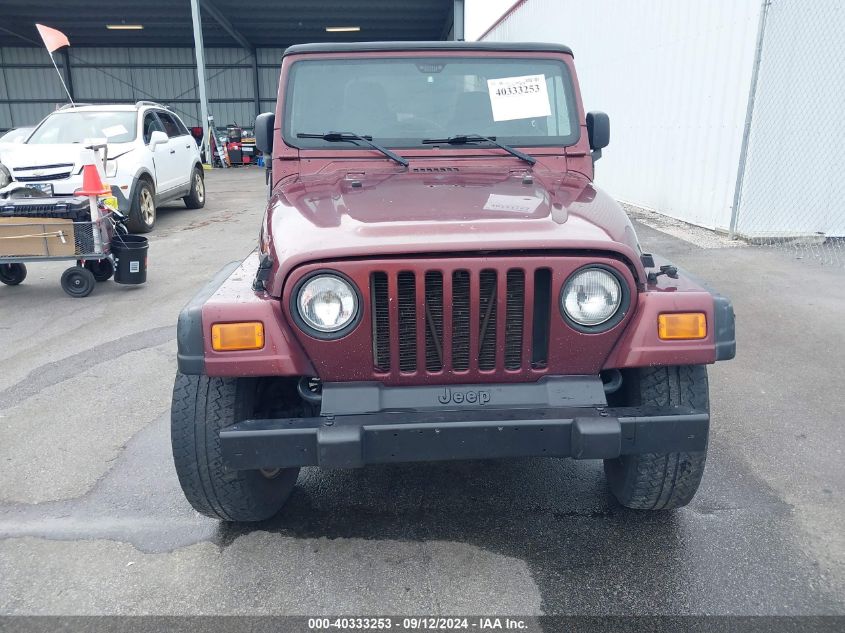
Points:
[[791, 185]]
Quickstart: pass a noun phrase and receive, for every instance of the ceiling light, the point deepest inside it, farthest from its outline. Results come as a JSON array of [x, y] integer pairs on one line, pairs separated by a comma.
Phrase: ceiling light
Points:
[[125, 27], [342, 29]]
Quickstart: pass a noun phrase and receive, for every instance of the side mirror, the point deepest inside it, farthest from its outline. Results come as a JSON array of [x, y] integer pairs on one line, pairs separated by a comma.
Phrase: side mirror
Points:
[[157, 138], [598, 131], [264, 124]]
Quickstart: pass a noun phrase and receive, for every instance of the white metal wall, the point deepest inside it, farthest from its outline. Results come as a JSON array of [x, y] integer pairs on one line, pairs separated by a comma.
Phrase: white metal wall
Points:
[[29, 88], [794, 183], [674, 76]]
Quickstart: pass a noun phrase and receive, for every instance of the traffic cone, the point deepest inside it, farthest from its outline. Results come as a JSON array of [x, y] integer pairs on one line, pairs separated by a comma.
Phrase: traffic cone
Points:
[[92, 185]]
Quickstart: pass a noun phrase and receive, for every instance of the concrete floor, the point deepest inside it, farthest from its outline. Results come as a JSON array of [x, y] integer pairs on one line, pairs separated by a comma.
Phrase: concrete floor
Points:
[[92, 520]]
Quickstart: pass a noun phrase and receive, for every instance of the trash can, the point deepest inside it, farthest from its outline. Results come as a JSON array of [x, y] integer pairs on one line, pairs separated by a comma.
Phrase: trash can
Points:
[[130, 258]]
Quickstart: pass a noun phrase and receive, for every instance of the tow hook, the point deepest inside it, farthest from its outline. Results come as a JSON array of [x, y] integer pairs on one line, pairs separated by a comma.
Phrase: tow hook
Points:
[[310, 390], [667, 269]]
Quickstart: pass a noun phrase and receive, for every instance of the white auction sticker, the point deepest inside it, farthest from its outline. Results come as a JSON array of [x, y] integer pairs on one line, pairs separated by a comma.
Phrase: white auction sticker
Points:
[[520, 204], [519, 97], [114, 130]]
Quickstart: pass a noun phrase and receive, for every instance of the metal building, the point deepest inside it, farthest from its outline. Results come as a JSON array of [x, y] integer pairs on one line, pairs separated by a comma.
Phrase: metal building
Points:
[[125, 51], [725, 114]]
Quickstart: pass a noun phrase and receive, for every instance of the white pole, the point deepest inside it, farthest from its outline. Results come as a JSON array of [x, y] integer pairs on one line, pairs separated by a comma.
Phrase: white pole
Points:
[[62, 79], [749, 114], [199, 51]]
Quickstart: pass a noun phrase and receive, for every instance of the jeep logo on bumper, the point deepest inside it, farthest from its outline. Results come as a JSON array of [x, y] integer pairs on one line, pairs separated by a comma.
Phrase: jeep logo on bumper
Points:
[[464, 397]]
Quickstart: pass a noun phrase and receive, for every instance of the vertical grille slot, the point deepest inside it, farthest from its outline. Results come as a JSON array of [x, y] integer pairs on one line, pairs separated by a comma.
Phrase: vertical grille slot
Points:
[[456, 320], [434, 321], [514, 318], [460, 320], [381, 321], [542, 318], [407, 322], [487, 320]]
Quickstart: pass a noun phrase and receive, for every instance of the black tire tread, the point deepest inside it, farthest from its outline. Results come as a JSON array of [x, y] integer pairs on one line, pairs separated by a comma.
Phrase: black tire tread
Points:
[[202, 406], [87, 275], [103, 270], [663, 481], [134, 222], [12, 274], [191, 200]]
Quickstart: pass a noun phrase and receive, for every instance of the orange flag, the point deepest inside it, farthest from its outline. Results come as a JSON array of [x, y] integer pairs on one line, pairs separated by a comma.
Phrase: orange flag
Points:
[[53, 39]]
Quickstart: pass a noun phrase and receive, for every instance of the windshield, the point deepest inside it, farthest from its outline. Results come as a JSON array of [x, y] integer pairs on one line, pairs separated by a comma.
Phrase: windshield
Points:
[[76, 127], [401, 102]]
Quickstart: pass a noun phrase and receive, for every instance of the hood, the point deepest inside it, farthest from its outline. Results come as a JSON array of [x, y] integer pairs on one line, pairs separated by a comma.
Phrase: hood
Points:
[[24, 155], [437, 210], [6, 148]]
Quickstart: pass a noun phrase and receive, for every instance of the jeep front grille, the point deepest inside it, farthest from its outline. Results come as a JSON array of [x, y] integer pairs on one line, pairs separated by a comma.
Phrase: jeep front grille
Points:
[[461, 320]]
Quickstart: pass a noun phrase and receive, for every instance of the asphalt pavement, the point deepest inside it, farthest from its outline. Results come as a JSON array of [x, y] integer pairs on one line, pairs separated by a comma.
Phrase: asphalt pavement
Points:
[[92, 520]]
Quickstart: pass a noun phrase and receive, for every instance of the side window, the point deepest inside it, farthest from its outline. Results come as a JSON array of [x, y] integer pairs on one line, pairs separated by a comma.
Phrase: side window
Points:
[[151, 124], [170, 125], [183, 131]]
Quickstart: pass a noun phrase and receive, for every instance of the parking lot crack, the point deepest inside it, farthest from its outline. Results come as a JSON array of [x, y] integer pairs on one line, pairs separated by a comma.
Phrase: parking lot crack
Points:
[[56, 372]]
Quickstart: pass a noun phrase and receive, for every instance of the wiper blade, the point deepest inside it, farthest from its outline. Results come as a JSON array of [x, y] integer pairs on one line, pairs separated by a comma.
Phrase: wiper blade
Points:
[[338, 137], [463, 139]]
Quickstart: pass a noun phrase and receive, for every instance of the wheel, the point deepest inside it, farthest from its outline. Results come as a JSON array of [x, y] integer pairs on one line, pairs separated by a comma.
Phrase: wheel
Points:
[[661, 481], [196, 199], [12, 274], [102, 269], [78, 282], [142, 214], [201, 407]]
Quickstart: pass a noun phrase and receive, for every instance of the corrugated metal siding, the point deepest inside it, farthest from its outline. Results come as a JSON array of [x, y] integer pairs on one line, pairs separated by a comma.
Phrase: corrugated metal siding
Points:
[[5, 108], [29, 88], [673, 75], [793, 180]]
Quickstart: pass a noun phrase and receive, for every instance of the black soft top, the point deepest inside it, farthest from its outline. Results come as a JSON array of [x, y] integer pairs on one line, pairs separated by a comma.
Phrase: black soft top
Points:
[[359, 47]]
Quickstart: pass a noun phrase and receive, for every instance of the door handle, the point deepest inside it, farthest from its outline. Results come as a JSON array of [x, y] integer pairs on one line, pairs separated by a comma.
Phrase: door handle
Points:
[[187, 147], [173, 151]]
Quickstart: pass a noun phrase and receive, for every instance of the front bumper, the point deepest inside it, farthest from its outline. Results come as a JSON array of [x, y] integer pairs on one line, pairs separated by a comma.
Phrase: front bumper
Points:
[[351, 441], [69, 186], [63, 187]]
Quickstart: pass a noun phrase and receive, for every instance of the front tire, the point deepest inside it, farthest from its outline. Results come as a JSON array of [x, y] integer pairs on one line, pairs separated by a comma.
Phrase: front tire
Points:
[[196, 199], [78, 282], [662, 481], [201, 407], [142, 214], [12, 274]]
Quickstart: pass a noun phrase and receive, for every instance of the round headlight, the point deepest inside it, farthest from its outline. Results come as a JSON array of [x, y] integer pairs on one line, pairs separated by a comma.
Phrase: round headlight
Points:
[[327, 303], [591, 297]]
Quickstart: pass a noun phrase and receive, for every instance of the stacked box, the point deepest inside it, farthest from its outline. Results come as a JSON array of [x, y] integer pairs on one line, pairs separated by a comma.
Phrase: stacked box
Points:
[[37, 237], [44, 227]]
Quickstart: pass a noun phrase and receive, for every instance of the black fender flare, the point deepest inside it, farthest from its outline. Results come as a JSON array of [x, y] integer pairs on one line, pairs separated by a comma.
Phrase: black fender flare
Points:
[[190, 337]]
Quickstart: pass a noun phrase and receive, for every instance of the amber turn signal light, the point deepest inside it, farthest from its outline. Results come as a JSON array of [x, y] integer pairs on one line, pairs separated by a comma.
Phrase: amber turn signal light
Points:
[[682, 325], [231, 337]]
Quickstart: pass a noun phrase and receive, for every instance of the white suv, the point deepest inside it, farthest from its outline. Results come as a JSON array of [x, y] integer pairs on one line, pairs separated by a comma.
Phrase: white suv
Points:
[[152, 157]]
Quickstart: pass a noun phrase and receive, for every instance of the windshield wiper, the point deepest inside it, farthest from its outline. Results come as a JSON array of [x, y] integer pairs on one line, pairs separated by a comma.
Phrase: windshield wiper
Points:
[[337, 137], [463, 139]]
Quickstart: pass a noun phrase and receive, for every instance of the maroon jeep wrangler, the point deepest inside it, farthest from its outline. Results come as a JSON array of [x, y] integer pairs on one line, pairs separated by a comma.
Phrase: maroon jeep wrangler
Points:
[[437, 278]]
